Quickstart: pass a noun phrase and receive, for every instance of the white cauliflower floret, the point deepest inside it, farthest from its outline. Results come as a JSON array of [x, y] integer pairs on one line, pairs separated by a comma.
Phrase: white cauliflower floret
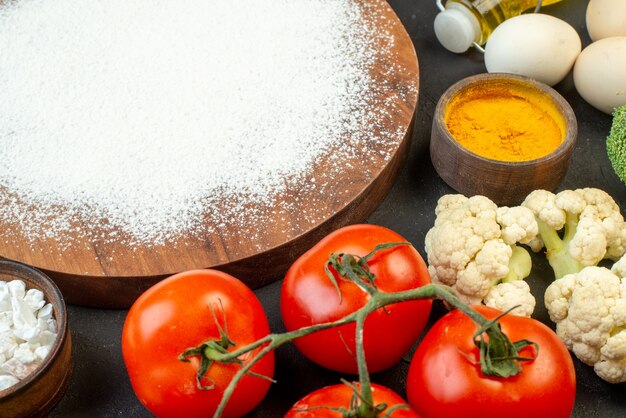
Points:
[[588, 245], [449, 201], [490, 263], [619, 267], [446, 257], [592, 225], [589, 309], [472, 247], [459, 218], [571, 201], [603, 202], [615, 235], [518, 224], [611, 366], [471, 285], [543, 204], [510, 295]]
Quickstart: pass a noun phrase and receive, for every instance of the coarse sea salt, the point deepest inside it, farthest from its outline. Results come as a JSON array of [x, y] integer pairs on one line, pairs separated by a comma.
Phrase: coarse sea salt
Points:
[[139, 119], [27, 331]]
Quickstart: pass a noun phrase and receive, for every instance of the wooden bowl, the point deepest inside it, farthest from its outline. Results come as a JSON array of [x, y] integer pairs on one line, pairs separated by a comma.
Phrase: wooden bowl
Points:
[[506, 183], [39, 392]]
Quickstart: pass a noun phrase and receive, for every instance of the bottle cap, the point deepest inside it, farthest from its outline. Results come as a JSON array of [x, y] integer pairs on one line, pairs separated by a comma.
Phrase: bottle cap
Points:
[[457, 29]]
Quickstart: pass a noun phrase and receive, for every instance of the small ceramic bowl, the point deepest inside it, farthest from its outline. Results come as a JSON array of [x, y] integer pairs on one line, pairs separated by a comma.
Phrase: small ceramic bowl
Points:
[[39, 392], [504, 182]]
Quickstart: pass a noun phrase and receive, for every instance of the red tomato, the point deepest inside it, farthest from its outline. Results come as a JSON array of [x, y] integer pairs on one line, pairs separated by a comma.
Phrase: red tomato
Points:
[[175, 315], [339, 396], [442, 382], [309, 297]]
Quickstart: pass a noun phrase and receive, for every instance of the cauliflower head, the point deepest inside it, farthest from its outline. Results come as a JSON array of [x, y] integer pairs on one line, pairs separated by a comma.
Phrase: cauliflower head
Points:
[[472, 248], [589, 309], [590, 222]]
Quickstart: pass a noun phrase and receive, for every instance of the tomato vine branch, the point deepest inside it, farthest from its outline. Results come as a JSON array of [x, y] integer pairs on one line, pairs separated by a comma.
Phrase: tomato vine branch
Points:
[[355, 268], [378, 300]]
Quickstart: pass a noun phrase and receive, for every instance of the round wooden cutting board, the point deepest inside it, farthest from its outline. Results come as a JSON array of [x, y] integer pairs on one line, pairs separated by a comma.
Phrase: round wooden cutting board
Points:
[[110, 274]]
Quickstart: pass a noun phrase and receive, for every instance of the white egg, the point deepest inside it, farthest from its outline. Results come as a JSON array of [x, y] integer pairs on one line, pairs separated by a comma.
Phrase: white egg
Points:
[[600, 73], [534, 45], [606, 18]]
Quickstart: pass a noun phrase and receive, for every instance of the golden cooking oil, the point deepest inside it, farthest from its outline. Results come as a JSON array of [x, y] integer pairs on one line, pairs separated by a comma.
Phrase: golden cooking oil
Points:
[[467, 21]]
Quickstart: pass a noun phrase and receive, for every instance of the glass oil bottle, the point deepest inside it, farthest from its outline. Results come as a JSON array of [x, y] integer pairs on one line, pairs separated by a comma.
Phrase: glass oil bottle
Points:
[[463, 23]]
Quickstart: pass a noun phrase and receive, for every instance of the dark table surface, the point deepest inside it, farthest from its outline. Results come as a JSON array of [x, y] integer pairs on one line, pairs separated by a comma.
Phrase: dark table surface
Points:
[[100, 387]]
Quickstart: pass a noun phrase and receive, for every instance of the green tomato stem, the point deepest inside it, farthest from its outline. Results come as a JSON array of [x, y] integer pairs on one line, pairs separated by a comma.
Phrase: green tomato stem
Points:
[[498, 355], [366, 408], [377, 301]]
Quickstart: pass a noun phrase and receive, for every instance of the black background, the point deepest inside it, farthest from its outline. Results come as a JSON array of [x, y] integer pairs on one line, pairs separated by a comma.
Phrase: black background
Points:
[[100, 386]]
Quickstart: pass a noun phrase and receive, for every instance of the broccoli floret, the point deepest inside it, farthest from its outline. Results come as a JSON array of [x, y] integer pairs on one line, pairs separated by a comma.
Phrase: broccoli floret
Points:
[[616, 142]]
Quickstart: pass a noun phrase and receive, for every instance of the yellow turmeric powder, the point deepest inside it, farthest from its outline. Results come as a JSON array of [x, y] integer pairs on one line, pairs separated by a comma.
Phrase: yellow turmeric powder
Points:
[[502, 123]]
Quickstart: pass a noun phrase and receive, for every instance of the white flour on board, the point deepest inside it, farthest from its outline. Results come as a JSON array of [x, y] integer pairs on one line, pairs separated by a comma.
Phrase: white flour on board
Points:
[[138, 118]]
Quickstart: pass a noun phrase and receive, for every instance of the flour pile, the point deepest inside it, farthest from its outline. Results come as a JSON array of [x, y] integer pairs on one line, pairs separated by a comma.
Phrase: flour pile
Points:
[[139, 118]]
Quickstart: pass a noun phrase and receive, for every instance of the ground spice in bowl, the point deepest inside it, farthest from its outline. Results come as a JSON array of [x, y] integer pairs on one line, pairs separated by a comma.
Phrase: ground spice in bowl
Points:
[[502, 136], [505, 122]]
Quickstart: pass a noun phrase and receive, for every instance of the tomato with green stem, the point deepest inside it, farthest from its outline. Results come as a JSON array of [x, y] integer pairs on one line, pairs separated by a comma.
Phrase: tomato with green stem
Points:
[[499, 355], [342, 400], [445, 377], [174, 331], [309, 297]]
